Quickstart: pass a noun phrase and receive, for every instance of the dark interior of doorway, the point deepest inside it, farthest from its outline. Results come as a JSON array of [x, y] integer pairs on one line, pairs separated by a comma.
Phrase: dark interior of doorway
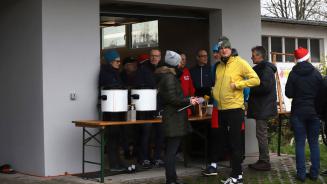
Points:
[[179, 29]]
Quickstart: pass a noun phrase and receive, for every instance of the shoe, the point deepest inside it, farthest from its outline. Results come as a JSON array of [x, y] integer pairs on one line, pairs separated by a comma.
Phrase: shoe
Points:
[[131, 169], [300, 179], [308, 175], [231, 180], [146, 164], [260, 166], [159, 163], [324, 173], [210, 171]]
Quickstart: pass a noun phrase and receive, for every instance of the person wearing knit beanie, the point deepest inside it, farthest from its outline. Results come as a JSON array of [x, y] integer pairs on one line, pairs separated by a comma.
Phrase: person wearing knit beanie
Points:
[[111, 55], [172, 58]]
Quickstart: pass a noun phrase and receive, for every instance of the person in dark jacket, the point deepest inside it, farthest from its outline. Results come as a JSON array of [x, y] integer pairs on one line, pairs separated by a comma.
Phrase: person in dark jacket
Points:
[[201, 75], [146, 80], [262, 104], [110, 79], [321, 101], [302, 86], [175, 122]]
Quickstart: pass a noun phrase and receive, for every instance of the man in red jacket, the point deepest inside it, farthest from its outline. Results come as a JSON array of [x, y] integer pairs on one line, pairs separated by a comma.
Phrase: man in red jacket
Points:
[[186, 81]]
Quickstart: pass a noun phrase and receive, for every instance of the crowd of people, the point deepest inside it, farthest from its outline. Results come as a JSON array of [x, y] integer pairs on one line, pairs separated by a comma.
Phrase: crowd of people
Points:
[[230, 81]]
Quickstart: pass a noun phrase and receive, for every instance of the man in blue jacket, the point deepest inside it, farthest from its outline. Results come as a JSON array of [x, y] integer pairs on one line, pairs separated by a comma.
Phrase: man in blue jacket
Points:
[[201, 75]]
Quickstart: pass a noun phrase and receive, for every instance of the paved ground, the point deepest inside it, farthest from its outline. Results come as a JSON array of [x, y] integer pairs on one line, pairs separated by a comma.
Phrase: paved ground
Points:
[[283, 172]]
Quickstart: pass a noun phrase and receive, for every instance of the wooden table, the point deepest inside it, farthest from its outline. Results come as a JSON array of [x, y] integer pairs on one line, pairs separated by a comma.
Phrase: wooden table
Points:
[[101, 125]]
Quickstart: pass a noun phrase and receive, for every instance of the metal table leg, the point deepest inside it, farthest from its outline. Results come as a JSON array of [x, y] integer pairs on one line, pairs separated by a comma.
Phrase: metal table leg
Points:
[[279, 134], [102, 143], [83, 154]]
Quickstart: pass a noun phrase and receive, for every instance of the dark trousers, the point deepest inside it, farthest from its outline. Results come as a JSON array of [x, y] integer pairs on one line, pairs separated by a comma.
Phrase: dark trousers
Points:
[[172, 146], [262, 136], [306, 127], [219, 146], [114, 137], [231, 122], [145, 135]]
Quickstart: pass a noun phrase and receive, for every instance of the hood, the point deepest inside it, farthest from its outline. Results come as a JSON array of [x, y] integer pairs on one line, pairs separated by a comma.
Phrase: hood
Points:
[[268, 64], [164, 70], [303, 68]]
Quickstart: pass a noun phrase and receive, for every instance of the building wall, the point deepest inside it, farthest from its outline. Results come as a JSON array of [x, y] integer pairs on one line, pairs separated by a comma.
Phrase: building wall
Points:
[[292, 30], [21, 98], [71, 47]]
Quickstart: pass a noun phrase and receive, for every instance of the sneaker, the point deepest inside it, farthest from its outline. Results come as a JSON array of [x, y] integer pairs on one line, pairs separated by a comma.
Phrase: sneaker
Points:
[[131, 168], [159, 163], [232, 180], [260, 166], [210, 171], [146, 164]]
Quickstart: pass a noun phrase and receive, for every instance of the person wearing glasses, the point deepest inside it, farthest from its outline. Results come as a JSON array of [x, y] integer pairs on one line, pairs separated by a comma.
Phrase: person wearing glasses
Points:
[[146, 80], [110, 78], [201, 75]]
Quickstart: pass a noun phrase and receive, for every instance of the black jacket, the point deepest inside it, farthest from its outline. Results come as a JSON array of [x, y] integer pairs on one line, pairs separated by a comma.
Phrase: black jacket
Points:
[[202, 79], [170, 91], [110, 77], [145, 77], [262, 103], [302, 86], [321, 101]]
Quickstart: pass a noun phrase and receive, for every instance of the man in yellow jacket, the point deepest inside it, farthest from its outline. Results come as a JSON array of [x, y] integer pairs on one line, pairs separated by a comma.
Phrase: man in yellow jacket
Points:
[[233, 74]]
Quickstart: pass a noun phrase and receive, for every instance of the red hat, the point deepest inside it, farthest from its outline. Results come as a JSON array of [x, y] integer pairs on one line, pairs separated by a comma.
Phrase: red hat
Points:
[[301, 54], [143, 57]]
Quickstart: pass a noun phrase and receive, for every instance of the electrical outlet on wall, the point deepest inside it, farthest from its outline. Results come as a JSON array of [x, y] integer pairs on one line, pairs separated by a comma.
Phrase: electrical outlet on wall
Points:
[[73, 96]]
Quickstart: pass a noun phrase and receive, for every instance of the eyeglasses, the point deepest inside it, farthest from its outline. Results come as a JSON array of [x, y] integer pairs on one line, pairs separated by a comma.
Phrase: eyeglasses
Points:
[[203, 55], [155, 56]]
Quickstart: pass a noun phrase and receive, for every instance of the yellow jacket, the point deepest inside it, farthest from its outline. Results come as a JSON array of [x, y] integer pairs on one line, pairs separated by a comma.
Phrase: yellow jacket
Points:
[[237, 71]]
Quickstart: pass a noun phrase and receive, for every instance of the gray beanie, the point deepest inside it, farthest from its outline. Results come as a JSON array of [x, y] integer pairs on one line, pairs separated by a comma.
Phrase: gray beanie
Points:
[[224, 42], [172, 58]]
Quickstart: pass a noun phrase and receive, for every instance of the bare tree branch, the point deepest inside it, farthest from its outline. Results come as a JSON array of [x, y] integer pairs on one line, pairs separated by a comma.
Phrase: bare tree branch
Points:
[[297, 9]]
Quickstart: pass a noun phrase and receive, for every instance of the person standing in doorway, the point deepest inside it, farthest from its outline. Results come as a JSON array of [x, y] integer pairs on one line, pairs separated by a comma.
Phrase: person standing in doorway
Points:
[[146, 80], [262, 104], [302, 86], [233, 74], [201, 75], [110, 79]]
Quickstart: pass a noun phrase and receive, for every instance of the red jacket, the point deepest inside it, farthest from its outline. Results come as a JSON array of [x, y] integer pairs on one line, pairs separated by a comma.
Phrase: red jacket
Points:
[[187, 83]]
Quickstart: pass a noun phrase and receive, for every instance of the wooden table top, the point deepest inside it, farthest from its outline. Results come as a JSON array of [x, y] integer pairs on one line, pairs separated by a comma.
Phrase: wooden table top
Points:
[[98, 123]]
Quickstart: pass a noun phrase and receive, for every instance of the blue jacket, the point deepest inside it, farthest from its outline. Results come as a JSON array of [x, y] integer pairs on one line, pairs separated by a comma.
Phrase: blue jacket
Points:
[[202, 79]]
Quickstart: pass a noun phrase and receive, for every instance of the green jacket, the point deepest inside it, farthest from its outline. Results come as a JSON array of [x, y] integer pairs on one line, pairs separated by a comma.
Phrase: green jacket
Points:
[[170, 92]]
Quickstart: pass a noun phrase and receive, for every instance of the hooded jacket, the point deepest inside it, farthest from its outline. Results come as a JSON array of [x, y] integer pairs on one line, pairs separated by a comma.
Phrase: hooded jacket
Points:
[[302, 86], [235, 70], [170, 91], [262, 103]]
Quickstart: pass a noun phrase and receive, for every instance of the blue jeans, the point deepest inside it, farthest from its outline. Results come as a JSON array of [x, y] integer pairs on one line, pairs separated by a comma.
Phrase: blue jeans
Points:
[[306, 127]]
